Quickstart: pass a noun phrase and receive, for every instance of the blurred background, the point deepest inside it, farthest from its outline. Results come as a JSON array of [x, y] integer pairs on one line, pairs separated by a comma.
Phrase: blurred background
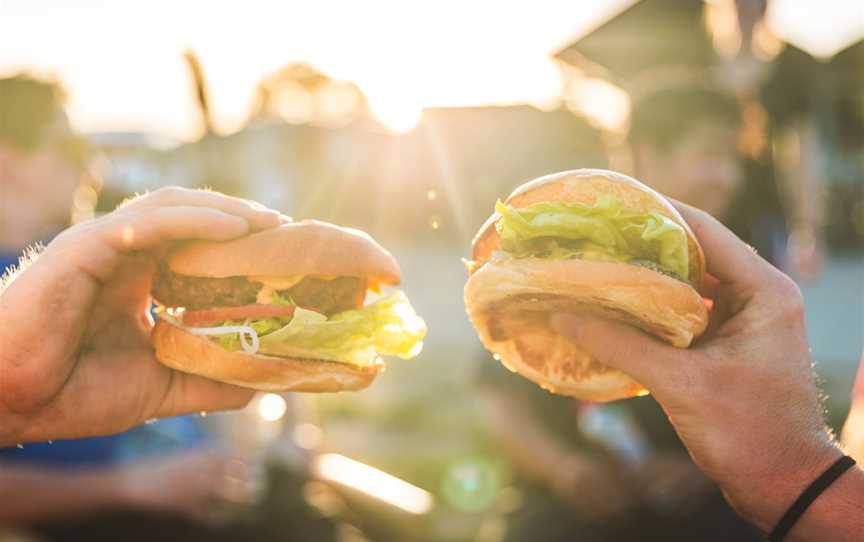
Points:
[[408, 120]]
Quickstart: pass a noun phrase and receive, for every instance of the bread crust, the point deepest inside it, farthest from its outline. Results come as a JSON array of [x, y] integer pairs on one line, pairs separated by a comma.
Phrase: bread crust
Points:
[[190, 353], [584, 186], [308, 247], [509, 303]]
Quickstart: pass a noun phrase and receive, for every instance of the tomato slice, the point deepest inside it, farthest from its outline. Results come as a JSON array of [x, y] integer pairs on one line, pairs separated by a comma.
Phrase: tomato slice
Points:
[[220, 314]]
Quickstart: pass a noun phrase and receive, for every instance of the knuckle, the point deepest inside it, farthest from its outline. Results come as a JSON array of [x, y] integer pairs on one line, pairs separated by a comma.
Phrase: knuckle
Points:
[[788, 300], [167, 194]]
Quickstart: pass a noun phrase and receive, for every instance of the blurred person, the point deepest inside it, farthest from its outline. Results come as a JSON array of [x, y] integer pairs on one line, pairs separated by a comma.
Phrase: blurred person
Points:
[[684, 142], [41, 166], [687, 143], [743, 400]]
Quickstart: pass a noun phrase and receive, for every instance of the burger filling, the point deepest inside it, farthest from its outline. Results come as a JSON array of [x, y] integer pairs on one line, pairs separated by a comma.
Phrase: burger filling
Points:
[[321, 318], [603, 231], [318, 294]]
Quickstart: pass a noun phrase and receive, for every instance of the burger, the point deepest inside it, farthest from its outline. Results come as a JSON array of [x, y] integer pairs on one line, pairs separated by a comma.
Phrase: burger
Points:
[[301, 307], [587, 241]]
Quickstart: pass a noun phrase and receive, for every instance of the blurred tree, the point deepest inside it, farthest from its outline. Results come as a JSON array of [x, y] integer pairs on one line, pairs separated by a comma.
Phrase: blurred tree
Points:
[[201, 95], [302, 94]]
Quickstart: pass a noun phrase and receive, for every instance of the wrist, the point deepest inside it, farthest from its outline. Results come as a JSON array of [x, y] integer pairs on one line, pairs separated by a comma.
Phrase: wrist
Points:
[[764, 499], [837, 514]]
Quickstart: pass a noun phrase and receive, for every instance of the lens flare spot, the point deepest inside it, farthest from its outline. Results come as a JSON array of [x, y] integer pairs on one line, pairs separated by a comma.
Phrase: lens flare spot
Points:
[[271, 407], [471, 484], [366, 479]]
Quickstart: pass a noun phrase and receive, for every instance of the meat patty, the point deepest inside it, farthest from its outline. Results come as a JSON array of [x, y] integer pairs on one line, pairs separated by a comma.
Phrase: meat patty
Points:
[[329, 296], [173, 290], [324, 296]]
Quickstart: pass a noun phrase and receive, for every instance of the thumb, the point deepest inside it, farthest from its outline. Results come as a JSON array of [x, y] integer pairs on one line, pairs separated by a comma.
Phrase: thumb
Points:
[[620, 346]]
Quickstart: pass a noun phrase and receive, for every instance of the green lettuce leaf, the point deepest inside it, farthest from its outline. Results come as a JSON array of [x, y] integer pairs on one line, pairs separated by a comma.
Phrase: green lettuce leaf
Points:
[[604, 231], [387, 327], [277, 299], [262, 327]]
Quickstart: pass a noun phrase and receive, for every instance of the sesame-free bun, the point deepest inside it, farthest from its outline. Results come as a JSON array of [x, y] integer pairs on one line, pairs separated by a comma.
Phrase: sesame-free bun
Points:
[[509, 301], [190, 353], [585, 186], [308, 247]]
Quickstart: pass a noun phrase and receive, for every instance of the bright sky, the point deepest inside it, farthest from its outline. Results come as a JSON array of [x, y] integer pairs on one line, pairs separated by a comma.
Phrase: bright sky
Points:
[[121, 60]]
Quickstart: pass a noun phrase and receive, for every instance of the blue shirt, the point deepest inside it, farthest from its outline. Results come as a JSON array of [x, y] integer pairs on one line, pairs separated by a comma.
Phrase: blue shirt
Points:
[[167, 435]]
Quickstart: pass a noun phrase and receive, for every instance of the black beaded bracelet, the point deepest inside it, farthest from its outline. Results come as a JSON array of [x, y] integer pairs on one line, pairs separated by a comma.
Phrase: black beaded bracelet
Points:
[[808, 496]]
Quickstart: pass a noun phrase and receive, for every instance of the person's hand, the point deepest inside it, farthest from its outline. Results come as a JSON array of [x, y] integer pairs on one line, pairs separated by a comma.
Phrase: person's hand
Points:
[[743, 398], [195, 484], [595, 490], [75, 352]]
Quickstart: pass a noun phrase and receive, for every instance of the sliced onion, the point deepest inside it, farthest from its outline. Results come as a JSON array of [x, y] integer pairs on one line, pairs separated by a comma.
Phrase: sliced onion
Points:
[[248, 336]]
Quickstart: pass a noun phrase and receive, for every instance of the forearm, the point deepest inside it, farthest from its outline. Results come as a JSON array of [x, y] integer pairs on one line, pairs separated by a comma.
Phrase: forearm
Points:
[[836, 515], [30, 494]]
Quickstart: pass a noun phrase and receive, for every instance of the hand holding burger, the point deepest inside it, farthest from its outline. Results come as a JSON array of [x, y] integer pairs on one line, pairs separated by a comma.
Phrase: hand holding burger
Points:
[[76, 358], [75, 330], [561, 299], [742, 399]]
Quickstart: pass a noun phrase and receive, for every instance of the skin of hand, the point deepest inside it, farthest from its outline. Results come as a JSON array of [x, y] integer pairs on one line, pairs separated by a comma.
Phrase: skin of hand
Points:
[[76, 358], [743, 397]]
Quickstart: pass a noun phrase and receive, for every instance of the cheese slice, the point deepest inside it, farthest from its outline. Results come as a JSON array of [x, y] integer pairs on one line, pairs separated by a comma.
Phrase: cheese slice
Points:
[[273, 284]]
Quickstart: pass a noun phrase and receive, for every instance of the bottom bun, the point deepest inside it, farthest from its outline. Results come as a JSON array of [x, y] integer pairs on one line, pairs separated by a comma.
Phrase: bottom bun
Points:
[[190, 353], [509, 303]]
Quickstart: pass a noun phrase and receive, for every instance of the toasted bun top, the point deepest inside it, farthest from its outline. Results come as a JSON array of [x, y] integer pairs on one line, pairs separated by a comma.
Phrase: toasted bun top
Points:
[[585, 186], [309, 247]]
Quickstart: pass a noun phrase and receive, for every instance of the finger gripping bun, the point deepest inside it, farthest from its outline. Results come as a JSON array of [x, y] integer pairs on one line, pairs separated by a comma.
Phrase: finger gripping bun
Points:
[[509, 301], [190, 353], [509, 304]]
